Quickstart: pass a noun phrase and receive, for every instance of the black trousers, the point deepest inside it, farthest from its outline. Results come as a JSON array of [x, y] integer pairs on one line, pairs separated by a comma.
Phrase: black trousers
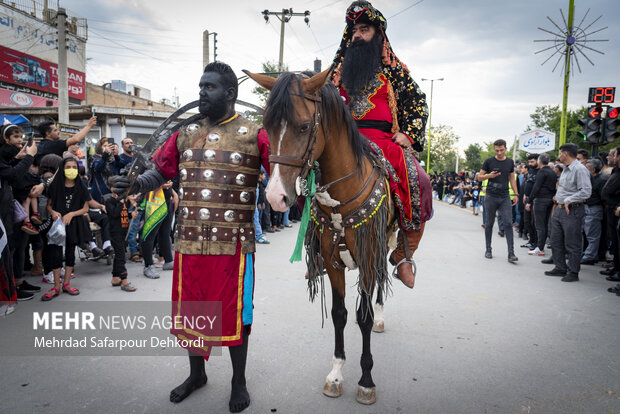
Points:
[[103, 221], [542, 213], [529, 225], [612, 233], [161, 232], [118, 244], [56, 255]]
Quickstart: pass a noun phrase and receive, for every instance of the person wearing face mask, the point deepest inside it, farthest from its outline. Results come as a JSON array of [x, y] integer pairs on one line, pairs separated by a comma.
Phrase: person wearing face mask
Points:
[[68, 201]]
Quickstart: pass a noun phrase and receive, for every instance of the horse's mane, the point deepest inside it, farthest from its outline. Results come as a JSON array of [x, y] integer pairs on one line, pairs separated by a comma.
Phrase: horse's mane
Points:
[[334, 112]]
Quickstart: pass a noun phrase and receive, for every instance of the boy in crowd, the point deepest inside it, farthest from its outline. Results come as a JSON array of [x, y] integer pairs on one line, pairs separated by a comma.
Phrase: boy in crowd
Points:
[[118, 214]]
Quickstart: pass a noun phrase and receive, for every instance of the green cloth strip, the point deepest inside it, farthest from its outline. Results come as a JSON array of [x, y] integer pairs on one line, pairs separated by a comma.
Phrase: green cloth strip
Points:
[[305, 218]]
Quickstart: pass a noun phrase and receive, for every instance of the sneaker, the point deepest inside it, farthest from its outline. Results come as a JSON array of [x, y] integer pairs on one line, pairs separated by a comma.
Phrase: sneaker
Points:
[[159, 264], [150, 272], [25, 286], [488, 254], [168, 266], [512, 258], [48, 278], [28, 228], [262, 240], [536, 252], [6, 310], [22, 295], [500, 233]]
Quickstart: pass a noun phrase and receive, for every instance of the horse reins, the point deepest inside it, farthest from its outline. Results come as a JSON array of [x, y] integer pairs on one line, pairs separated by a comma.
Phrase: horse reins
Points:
[[305, 162]]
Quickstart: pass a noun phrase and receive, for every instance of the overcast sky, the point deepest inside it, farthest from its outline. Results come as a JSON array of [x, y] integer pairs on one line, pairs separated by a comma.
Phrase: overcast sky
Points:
[[484, 49]]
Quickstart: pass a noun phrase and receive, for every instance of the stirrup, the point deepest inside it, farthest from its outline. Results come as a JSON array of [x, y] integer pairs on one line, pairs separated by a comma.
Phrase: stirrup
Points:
[[411, 261]]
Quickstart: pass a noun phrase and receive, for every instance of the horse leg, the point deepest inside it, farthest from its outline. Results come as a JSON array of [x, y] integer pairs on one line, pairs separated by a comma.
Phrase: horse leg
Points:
[[379, 322], [366, 393], [333, 382]]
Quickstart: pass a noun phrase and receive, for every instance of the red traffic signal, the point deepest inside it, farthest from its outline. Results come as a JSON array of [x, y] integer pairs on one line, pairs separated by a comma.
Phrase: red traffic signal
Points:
[[610, 126], [595, 112]]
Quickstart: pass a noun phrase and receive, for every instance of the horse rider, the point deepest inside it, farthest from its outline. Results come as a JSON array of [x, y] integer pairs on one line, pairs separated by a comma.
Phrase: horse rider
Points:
[[218, 160], [390, 109]]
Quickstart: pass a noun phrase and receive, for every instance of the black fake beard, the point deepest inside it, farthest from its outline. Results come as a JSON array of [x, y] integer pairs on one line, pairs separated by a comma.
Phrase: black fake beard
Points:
[[362, 62], [214, 111]]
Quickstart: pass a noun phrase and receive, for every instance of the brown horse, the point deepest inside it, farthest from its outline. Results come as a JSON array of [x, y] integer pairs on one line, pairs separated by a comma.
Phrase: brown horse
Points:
[[307, 122]]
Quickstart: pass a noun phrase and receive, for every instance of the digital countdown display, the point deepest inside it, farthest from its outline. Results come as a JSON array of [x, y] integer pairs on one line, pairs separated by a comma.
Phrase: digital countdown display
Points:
[[602, 95]]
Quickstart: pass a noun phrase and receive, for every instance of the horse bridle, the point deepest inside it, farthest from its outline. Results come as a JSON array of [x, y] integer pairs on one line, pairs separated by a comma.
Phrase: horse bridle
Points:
[[304, 163]]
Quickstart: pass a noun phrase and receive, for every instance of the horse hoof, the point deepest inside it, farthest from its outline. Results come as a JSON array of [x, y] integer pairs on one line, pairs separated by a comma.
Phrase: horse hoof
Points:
[[332, 389], [378, 326], [366, 396]]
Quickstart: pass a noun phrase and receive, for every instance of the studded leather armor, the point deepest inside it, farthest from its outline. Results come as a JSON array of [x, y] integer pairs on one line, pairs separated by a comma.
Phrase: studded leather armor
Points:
[[219, 167]]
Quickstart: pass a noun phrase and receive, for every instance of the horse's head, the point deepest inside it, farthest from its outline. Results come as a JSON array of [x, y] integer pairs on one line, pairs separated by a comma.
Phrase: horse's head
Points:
[[291, 119]]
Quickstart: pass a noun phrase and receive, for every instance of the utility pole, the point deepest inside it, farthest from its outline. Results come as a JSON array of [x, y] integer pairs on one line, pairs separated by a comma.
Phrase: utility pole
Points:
[[284, 16], [63, 81], [205, 47], [570, 41], [430, 112]]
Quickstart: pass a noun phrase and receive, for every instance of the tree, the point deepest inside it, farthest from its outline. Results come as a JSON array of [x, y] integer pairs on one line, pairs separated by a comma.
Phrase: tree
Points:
[[443, 142], [270, 68], [473, 157]]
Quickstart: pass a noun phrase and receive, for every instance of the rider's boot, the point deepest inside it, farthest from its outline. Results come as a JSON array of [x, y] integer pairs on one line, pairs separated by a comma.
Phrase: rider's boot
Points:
[[405, 270]]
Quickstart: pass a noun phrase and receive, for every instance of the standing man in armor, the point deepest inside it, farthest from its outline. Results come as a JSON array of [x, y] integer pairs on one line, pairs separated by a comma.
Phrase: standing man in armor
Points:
[[218, 160], [390, 109]]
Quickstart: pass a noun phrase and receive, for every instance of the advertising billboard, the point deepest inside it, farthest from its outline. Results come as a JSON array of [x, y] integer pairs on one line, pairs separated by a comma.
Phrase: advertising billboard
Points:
[[36, 76]]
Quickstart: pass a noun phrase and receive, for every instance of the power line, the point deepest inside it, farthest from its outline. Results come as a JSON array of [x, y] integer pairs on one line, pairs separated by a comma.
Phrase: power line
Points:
[[126, 47], [136, 25], [405, 9]]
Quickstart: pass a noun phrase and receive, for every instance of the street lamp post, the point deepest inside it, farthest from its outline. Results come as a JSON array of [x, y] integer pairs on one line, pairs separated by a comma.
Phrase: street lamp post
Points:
[[430, 112]]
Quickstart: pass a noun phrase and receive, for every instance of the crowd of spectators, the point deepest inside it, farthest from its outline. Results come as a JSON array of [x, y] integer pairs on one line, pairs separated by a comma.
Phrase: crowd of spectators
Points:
[[51, 181], [537, 181]]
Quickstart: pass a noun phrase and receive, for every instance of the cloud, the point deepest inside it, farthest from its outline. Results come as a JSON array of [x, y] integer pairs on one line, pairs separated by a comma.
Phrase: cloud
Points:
[[483, 48]]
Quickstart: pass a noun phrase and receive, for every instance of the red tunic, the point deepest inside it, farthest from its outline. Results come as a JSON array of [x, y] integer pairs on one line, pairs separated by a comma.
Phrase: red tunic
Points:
[[412, 191], [198, 279]]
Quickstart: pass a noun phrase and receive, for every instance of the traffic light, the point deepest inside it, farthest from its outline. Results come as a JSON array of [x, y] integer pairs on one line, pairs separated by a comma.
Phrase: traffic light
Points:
[[592, 125], [610, 126]]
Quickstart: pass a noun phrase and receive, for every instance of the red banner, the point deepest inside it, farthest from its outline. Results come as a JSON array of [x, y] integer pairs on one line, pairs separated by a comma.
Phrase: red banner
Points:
[[38, 75]]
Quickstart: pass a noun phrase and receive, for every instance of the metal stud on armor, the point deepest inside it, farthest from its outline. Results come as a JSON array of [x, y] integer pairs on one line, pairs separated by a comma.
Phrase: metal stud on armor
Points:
[[236, 158], [229, 216], [206, 194], [205, 214], [208, 175], [240, 179], [213, 137], [187, 154], [209, 155]]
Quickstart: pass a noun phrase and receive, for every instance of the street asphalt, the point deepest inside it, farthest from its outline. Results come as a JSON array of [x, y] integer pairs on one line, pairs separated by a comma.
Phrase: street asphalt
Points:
[[474, 336]]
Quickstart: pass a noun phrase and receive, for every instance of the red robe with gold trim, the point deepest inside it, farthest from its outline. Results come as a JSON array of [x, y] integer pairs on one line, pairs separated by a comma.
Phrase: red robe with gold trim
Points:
[[412, 190]]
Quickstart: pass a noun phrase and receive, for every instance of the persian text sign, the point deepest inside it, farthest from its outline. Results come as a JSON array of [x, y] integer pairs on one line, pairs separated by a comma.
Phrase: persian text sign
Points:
[[20, 69], [537, 141], [38, 38]]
